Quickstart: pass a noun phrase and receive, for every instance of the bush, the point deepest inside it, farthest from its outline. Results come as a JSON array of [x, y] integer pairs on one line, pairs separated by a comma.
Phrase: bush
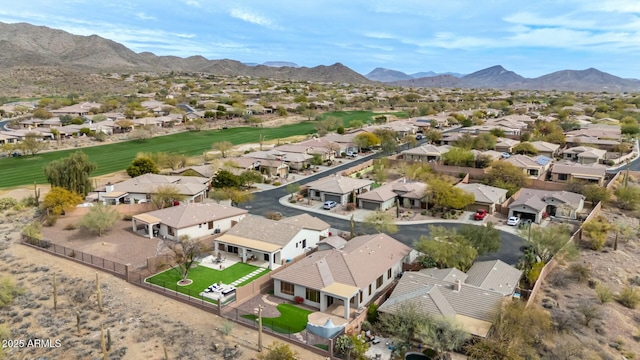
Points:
[[603, 293], [276, 183], [579, 272], [50, 220], [372, 313], [351, 206], [70, 226], [629, 297], [298, 299], [127, 217], [7, 203]]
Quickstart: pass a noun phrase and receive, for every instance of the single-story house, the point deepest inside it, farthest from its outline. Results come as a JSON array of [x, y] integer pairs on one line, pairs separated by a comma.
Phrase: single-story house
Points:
[[140, 189], [505, 145], [546, 148], [449, 138], [271, 243], [80, 109], [425, 153], [344, 273], [601, 143], [297, 161], [472, 299], [337, 188], [411, 194], [7, 138], [570, 171], [195, 220], [382, 198], [533, 204], [584, 154], [407, 194], [528, 165], [487, 197]]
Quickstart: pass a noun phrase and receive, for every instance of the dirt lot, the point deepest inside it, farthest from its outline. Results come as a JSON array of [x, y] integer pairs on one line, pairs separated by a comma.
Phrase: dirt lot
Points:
[[615, 330], [141, 324]]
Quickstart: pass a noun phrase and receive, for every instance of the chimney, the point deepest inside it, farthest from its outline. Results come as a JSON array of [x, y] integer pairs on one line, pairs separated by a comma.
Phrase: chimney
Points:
[[109, 187], [457, 286]]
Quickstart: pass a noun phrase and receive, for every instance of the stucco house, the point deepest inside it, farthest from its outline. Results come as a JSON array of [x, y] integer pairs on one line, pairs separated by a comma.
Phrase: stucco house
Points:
[[528, 165], [141, 188], [486, 197], [195, 220], [337, 188], [532, 204], [343, 273], [271, 243], [584, 155], [570, 171], [425, 153], [505, 144], [472, 299], [407, 194], [546, 148]]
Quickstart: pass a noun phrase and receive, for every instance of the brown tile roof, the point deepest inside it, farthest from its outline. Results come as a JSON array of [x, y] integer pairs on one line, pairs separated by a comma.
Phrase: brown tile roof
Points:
[[149, 183], [306, 221], [494, 275], [362, 260], [273, 231], [381, 194], [338, 184], [183, 216]]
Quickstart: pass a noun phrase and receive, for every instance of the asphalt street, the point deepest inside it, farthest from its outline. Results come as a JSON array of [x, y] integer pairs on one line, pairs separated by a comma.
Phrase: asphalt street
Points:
[[266, 201]]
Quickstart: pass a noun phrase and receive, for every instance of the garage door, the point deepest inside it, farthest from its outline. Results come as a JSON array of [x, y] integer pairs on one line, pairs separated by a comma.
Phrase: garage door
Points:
[[525, 216], [368, 205], [336, 198]]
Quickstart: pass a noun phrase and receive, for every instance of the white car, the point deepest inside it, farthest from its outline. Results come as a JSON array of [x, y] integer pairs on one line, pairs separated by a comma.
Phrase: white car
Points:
[[352, 154], [513, 221], [328, 205]]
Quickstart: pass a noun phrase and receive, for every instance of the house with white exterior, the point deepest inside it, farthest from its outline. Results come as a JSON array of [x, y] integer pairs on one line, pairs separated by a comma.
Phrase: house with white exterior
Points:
[[566, 172], [584, 155], [471, 298], [140, 189], [195, 220], [271, 243], [347, 274], [425, 153], [338, 188], [533, 204]]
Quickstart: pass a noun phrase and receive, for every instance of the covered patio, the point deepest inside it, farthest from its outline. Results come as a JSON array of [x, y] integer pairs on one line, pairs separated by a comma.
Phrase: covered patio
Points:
[[338, 299], [256, 252], [150, 222]]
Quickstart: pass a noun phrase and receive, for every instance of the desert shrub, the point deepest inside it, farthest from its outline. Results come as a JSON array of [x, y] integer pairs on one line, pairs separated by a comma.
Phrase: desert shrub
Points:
[[351, 206], [603, 293], [277, 183], [273, 215], [8, 291], [629, 296], [558, 280], [372, 313], [50, 220], [579, 272], [7, 203], [534, 273], [70, 226], [127, 217]]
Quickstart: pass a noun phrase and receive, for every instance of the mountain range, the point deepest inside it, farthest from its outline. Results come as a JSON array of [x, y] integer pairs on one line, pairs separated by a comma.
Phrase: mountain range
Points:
[[24, 45]]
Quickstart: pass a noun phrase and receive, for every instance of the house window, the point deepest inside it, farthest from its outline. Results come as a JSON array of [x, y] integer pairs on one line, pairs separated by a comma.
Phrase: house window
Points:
[[200, 226], [313, 295], [317, 194], [210, 225], [304, 243], [379, 282], [369, 289], [563, 177], [171, 231], [389, 273], [360, 296], [286, 288]]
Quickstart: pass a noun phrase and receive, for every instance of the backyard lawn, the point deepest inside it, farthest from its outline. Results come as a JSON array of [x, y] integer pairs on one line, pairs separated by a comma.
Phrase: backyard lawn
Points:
[[364, 116], [204, 277], [292, 319]]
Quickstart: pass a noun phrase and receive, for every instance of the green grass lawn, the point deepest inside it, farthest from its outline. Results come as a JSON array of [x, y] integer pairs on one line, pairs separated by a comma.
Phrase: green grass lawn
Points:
[[292, 319], [204, 277], [110, 158], [115, 157]]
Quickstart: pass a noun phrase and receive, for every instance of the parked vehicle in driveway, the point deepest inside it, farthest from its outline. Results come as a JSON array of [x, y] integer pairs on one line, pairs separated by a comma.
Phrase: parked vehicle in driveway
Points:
[[480, 214], [419, 137], [328, 205], [513, 221], [352, 154]]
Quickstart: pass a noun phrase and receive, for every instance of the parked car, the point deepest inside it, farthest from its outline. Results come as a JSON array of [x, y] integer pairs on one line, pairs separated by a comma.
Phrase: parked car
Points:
[[419, 137], [480, 214], [513, 221], [352, 154], [505, 155], [328, 205]]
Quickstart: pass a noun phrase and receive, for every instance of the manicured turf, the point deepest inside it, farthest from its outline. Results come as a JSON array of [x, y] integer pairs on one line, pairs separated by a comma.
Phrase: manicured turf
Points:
[[204, 277], [115, 157], [292, 319], [364, 116], [110, 158]]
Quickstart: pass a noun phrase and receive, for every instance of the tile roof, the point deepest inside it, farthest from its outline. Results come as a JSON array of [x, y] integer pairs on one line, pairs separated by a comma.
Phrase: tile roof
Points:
[[381, 194], [338, 184], [535, 198], [494, 275], [191, 214], [579, 169], [484, 193], [359, 263], [545, 146], [149, 183], [278, 232], [522, 161]]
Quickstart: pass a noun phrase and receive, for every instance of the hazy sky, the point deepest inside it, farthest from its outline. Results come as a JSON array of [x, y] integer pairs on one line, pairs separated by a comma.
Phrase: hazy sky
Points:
[[531, 37]]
